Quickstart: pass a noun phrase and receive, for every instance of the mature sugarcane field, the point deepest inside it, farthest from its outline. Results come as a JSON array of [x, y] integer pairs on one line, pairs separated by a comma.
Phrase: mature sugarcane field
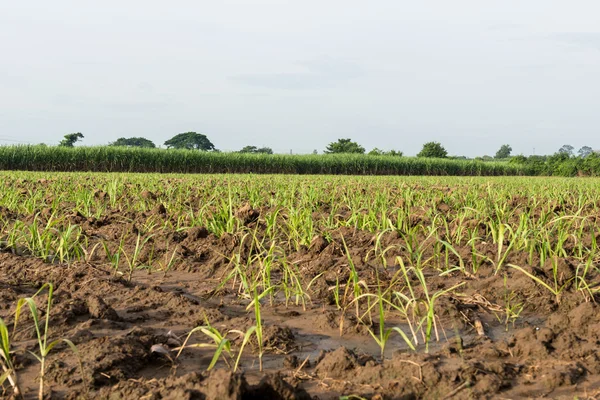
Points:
[[123, 159], [148, 286]]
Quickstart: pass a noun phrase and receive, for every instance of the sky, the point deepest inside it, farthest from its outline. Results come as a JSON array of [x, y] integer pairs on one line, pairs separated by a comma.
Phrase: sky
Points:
[[297, 75]]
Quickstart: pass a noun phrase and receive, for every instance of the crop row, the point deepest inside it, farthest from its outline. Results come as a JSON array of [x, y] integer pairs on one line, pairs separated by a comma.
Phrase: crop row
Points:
[[116, 159]]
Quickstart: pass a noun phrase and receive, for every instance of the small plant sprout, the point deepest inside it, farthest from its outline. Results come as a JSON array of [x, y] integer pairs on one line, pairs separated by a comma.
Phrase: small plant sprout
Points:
[[383, 334], [256, 329], [8, 370], [221, 344], [428, 300], [512, 309], [354, 282], [133, 261], [556, 290], [44, 347]]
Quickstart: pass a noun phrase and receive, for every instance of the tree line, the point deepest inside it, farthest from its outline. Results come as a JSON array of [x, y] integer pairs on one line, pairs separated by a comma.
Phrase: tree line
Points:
[[198, 141], [186, 140]]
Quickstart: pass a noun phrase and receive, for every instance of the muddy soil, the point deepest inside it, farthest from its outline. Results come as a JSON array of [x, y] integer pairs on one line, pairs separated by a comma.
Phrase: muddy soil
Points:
[[128, 325]]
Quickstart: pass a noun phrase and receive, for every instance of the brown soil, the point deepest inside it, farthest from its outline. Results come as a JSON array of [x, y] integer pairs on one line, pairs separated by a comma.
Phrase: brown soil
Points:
[[125, 329]]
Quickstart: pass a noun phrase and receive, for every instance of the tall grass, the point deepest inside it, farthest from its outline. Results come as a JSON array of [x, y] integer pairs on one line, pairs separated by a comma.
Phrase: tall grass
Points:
[[115, 159]]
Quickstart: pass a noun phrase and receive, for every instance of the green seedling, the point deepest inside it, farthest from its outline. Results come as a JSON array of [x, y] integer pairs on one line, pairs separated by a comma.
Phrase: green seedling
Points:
[[133, 262], [556, 290], [354, 281], [383, 335], [428, 301], [512, 309], [8, 368], [44, 347], [256, 330], [221, 344]]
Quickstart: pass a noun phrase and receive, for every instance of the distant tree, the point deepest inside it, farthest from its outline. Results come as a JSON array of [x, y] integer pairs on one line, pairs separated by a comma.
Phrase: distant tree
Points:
[[396, 153], [344, 146], [433, 150], [133, 142], [378, 152], [503, 152], [190, 141], [70, 139], [585, 151], [566, 149], [518, 159], [559, 161], [248, 149], [315, 151], [255, 150]]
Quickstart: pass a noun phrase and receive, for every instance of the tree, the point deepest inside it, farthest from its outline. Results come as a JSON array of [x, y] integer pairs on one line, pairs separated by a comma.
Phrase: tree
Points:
[[190, 141], [344, 146], [433, 150], [248, 149], [396, 153], [133, 142], [378, 152], [585, 151], [566, 149], [255, 150], [503, 152], [518, 159], [70, 139]]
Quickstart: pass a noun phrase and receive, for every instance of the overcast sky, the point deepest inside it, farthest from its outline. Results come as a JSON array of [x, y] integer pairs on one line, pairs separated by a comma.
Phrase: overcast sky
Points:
[[296, 75]]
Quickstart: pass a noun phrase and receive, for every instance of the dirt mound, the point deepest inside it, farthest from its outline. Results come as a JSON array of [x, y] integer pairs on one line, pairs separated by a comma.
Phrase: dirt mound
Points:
[[247, 214], [112, 359], [337, 363], [218, 385], [99, 309], [278, 339], [318, 244]]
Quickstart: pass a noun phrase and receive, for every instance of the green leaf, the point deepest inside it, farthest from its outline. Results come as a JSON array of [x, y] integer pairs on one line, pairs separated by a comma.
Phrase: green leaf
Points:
[[74, 349], [5, 376], [406, 339], [5, 343], [35, 355], [247, 335], [374, 336], [535, 278], [222, 346], [50, 346], [183, 346]]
